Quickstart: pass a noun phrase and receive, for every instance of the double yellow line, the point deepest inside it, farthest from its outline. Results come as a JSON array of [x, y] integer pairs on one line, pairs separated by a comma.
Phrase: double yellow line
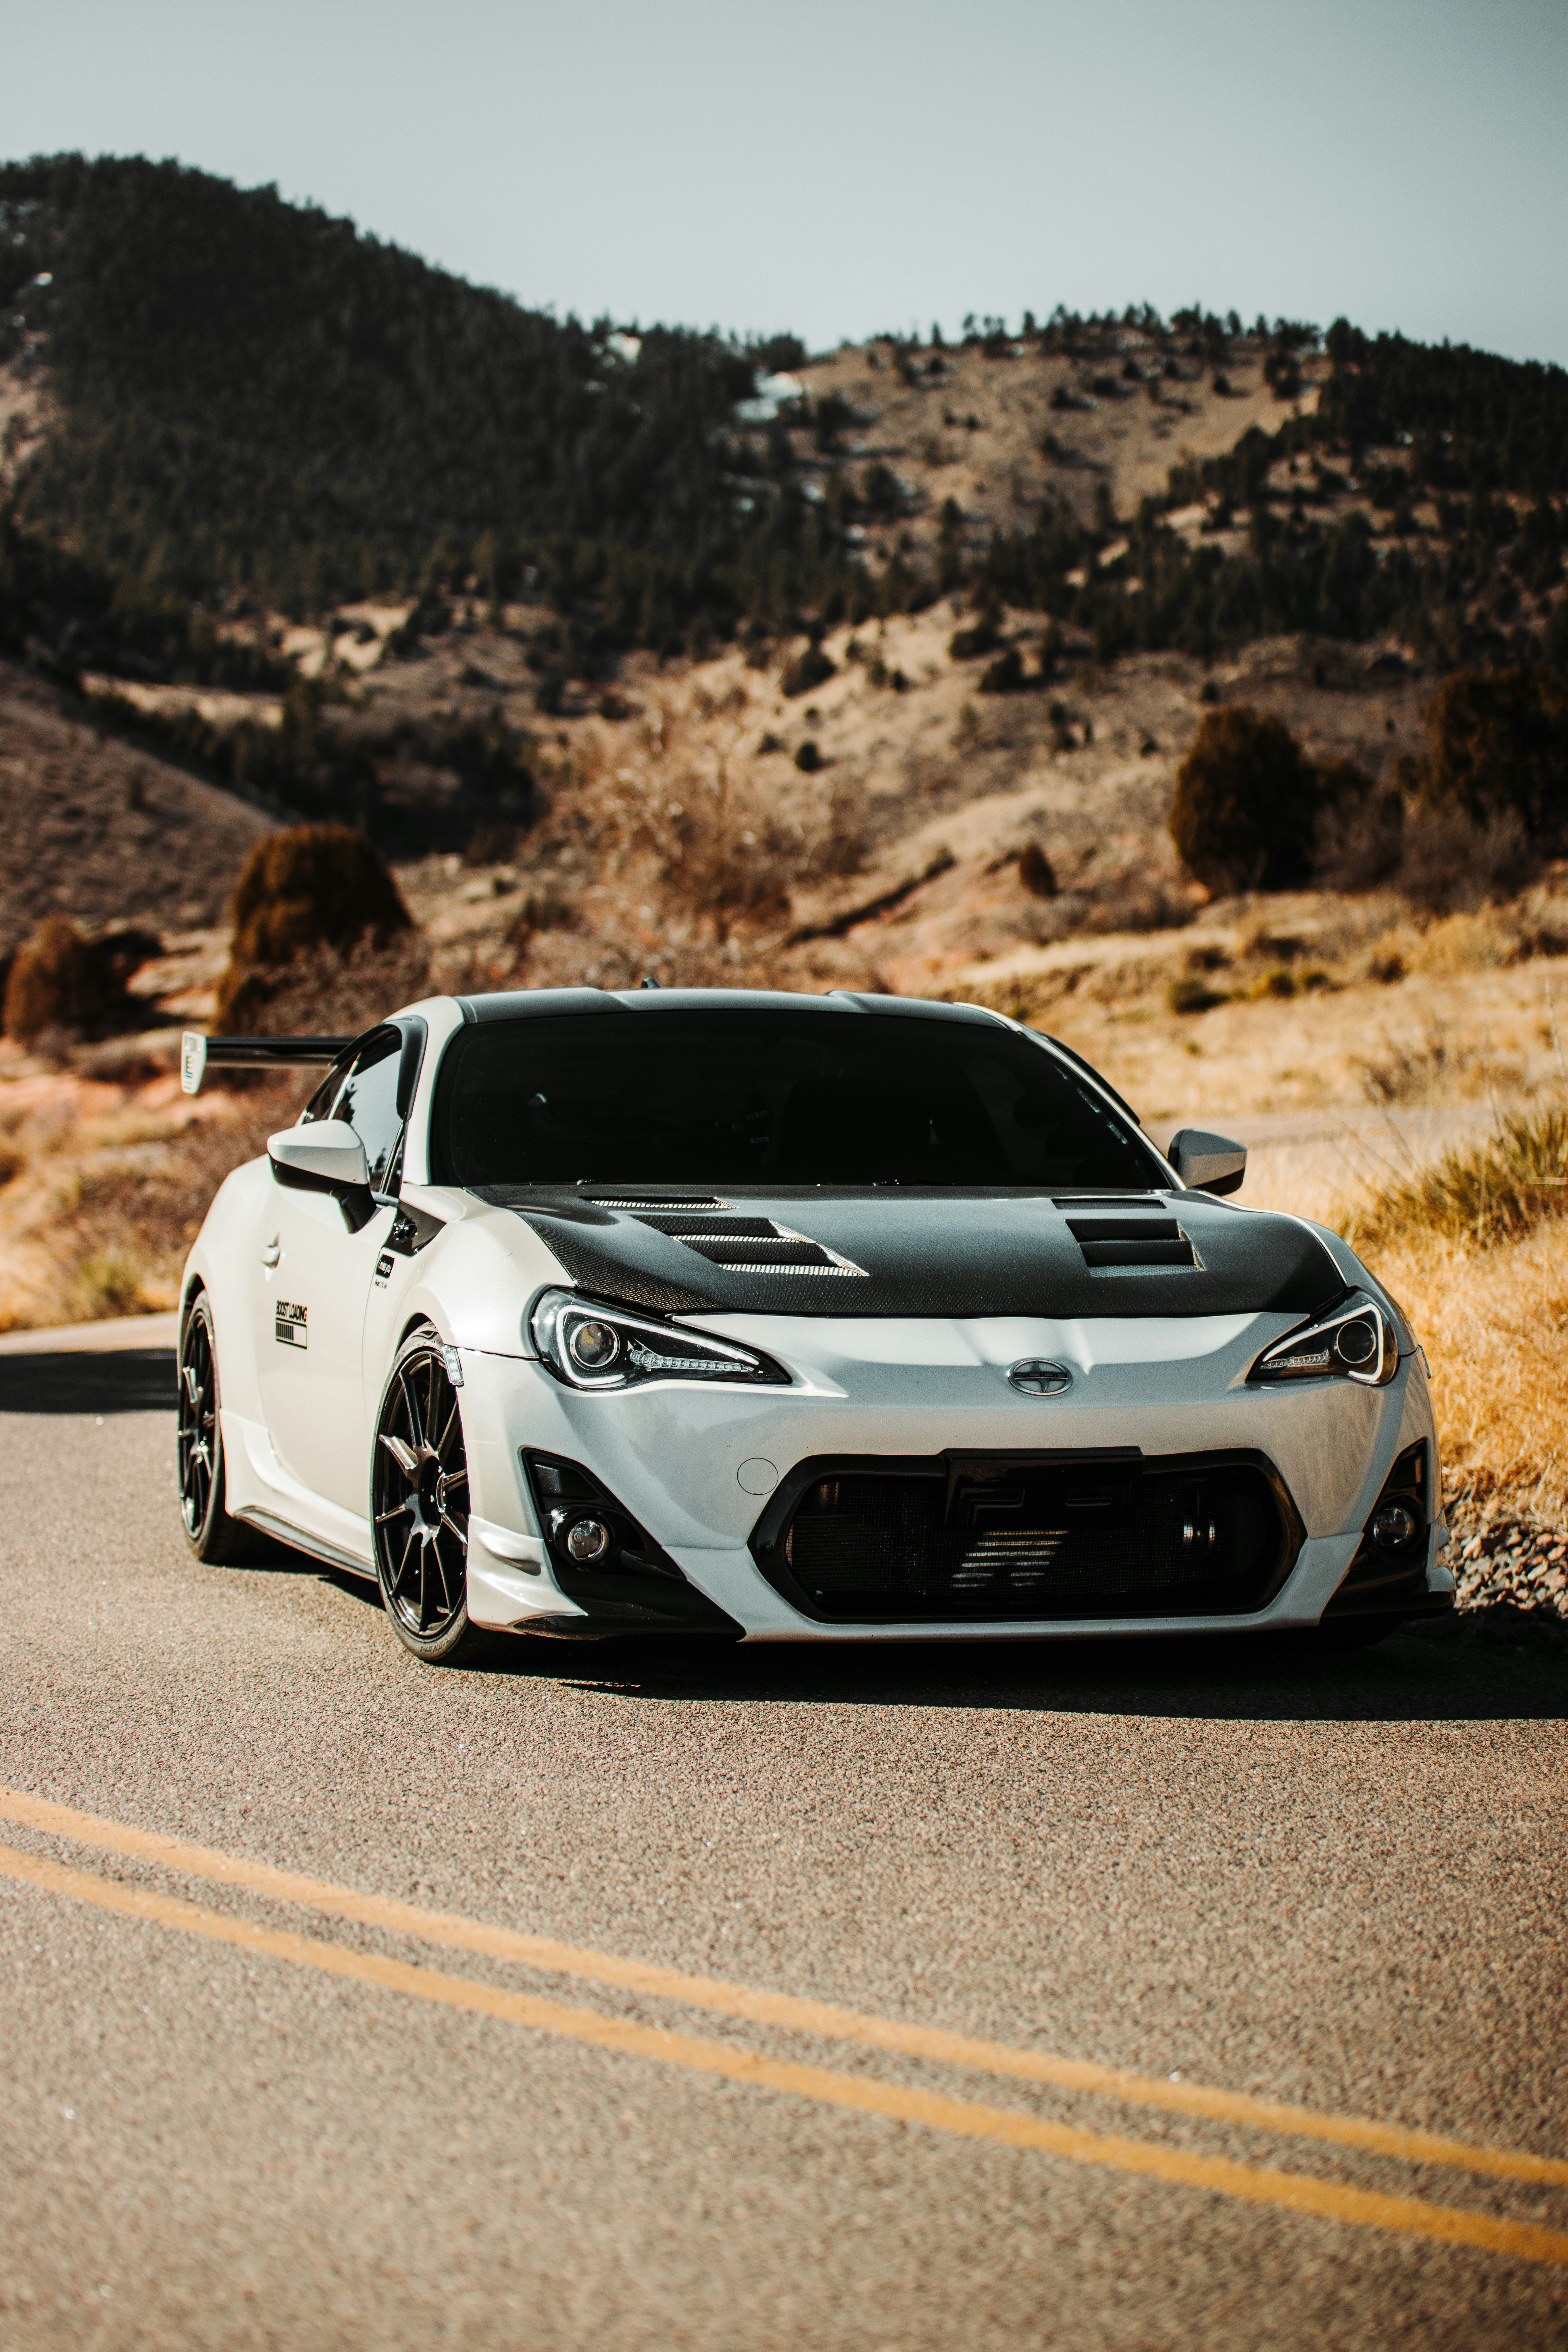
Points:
[[968, 2119]]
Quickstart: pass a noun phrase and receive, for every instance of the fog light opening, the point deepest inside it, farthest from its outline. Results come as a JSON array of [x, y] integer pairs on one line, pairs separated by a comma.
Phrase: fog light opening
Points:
[[587, 1540]]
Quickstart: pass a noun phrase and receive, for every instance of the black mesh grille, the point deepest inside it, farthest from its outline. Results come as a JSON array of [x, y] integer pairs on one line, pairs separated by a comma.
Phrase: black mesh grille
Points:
[[1011, 1540]]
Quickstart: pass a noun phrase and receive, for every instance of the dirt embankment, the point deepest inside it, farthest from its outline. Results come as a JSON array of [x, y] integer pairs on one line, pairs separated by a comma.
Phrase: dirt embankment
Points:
[[101, 831]]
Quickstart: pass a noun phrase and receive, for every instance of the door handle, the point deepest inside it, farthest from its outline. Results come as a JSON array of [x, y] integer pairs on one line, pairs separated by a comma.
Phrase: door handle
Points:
[[271, 1254]]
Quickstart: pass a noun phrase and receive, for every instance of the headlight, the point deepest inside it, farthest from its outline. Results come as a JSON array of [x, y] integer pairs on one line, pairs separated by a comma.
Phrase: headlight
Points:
[[1356, 1342], [593, 1347]]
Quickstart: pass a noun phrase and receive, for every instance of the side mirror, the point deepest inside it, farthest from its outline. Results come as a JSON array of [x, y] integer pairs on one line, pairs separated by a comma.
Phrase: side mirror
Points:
[[1207, 1163], [327, 1156]]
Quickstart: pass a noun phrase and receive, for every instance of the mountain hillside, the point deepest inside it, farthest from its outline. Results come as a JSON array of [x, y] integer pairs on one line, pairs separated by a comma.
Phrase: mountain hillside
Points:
[[273, 402], [101, 830], [209, 395], [301, 515]]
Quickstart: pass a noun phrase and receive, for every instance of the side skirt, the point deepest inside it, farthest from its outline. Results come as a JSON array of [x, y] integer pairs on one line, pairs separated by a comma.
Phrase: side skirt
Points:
[[298, 1540]]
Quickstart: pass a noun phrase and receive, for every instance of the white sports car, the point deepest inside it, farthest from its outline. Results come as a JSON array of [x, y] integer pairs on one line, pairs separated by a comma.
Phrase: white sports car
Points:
[[790, 1318]]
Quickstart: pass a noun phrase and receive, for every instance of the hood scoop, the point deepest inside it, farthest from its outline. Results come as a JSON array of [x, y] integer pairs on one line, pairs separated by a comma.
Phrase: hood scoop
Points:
[[751, 1245], [1128, 1245]]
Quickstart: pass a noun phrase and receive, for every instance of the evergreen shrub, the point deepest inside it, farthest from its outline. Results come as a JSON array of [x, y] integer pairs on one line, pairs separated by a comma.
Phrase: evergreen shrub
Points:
[[808, 670], [1247, 803]]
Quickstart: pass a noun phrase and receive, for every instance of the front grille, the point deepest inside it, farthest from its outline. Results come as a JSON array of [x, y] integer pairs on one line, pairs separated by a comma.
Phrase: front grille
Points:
[[965, 1537]]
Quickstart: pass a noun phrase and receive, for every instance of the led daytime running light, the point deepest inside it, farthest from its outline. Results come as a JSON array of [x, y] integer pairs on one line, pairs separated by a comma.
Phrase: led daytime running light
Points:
[[1357, 1342], [589, 1346]]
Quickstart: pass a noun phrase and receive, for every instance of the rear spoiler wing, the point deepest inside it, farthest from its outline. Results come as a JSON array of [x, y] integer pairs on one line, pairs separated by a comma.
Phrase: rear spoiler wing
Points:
[[199, 1054]]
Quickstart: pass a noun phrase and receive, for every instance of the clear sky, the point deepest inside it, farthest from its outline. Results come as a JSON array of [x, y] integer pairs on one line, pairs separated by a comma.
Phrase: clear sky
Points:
[[839, 168]]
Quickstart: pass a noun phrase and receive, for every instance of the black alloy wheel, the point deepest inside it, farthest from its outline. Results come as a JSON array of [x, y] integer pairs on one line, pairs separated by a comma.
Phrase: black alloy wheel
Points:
[[419, 1504], [211, 1533]]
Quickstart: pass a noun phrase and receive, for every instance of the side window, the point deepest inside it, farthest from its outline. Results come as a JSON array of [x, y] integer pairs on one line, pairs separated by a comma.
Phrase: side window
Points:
[[367, 1099]]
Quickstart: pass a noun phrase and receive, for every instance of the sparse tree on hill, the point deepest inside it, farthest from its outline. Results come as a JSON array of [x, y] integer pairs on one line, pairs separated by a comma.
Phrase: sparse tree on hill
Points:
[[1247, 802], [1497, 743]]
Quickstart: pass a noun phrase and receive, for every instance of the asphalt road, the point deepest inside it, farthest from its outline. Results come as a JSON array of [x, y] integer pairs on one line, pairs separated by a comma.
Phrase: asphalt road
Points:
[[237, 2110]]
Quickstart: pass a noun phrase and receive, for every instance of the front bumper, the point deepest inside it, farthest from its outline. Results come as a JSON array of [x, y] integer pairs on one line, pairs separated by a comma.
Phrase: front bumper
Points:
[[696, 1464]]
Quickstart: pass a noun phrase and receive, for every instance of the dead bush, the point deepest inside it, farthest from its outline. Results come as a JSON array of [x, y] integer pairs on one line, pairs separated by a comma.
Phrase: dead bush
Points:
[[723, 853], [491, 844], [313, 887], [1415, 1070], [1497, 742], [1136, 902], [62, 987], [1481, 1194], [1360, 840], [541, 910], [1450, 861], [328, 991], [1190, 992]]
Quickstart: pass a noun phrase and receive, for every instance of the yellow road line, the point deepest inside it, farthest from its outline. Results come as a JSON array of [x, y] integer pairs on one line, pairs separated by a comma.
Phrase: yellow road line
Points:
[[782, 2010], [1298, 2192]]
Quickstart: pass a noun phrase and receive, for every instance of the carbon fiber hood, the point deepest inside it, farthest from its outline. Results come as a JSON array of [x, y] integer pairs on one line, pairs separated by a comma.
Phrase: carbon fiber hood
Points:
[[928, 1254]]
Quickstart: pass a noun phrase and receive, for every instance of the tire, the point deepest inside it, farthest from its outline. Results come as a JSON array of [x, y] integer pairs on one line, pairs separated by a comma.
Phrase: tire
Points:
[[419, 1507], [213, 1536]]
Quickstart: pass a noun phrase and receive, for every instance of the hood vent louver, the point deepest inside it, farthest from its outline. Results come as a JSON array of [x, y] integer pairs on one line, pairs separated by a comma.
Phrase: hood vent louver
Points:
[[673, 1203], [751, 1245], [1132, 1246]]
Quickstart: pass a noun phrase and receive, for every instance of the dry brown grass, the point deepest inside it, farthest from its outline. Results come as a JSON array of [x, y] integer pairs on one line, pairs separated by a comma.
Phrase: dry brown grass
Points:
[[1494, 1323], [103, 1203], [1496, 1191], [664, 853], [1476, 1246]]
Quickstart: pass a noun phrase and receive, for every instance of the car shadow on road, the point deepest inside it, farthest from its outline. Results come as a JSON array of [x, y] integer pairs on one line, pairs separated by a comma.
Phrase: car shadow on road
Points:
[[80, 1380], [1484, 1667]]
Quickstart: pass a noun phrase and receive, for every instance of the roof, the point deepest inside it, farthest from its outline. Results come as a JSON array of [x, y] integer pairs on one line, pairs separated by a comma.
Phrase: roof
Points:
[[522, 1003]]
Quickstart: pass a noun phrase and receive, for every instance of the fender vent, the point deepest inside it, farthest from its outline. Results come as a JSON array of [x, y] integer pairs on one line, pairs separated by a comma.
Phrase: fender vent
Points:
[[751, 1245], [1113, 1245]]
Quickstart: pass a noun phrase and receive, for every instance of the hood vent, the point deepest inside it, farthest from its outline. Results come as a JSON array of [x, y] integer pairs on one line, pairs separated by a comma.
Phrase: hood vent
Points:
[[1121, 1201], [669, 1200], [1119, 1245], [751, 1245]]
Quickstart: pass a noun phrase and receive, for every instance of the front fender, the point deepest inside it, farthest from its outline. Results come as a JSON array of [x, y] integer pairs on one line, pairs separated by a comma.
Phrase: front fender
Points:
[[223, 1263]]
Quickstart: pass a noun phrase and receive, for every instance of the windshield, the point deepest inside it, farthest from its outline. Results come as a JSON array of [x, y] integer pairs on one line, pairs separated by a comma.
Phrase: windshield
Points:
[[767, 1098]]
